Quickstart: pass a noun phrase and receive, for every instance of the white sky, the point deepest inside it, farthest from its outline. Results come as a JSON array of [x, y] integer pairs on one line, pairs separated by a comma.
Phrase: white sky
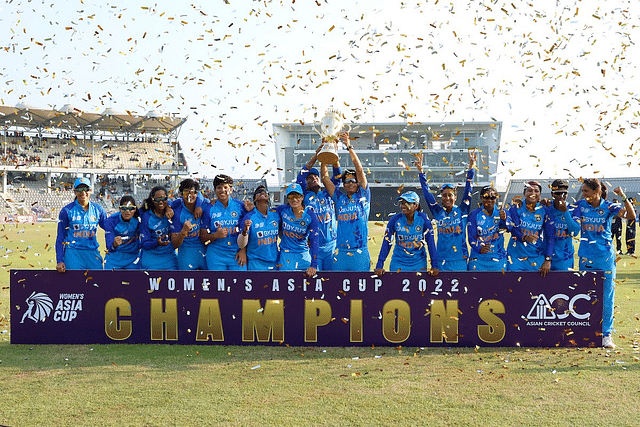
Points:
[[561, 75]]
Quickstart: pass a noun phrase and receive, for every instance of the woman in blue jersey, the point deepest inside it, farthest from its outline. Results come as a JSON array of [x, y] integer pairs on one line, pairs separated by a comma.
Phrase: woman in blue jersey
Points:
[[532, 233], [298, 234], [594, 214], [453, 253], [565, 227], [157, 251], [121, 237], [411, 229], [352, 208], [220, 228], [260, 233], [322, 204], [76, 241], [185, 228], [485, 229]]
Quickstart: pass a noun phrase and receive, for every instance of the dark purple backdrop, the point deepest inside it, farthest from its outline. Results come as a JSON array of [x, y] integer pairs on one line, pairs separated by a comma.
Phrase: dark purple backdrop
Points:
[[409, 309]]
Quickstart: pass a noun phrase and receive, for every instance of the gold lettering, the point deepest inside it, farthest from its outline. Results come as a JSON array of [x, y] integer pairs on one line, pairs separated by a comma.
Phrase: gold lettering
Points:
[[444, 321], [262, 322], [396, 320], [164, 321], [316, 313], [117, 329], [355, 320], [209, 321], [495, 329]]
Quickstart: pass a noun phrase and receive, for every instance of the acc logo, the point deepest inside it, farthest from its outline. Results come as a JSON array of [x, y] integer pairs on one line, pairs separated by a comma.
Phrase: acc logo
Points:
[[39, 306], [542, 307]]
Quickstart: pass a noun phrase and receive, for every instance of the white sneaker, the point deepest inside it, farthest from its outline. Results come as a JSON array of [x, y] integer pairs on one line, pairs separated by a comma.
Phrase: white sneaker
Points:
[[607, 342]]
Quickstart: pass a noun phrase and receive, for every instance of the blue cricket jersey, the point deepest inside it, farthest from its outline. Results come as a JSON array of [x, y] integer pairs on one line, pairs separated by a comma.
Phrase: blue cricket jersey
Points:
[[77, 229], [298, 235], [595, 228], [452, 226], [215, 216], [128, 230], [409, 241], [353, 218], [487, 229], [323, 207], [182, 214], [263, 235], [153, 226], [565, 229], [526, 223]]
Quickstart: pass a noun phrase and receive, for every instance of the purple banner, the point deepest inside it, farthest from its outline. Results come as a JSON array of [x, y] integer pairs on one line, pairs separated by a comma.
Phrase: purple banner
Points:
[[333, 309]]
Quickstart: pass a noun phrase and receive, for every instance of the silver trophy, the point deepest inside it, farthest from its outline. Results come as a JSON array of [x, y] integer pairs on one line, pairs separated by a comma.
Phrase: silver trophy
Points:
[[330, 129]]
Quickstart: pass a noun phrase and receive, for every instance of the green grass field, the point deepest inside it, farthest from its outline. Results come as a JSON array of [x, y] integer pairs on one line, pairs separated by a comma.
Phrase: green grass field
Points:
[[158, 385]]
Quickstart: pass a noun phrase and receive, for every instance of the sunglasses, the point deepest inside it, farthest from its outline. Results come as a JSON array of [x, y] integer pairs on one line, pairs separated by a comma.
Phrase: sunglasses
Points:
[[127, 208], [189, 192], [159, 199], [558, 193], [82, 189], [490, 197], [350, 181]]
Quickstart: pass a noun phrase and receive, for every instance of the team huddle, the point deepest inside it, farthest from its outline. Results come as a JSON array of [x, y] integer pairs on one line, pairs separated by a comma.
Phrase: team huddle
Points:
[[326, 229]]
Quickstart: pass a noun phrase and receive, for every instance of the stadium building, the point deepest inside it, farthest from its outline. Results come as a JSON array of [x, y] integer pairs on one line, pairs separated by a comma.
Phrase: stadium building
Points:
[[387, 152], [44, 151]]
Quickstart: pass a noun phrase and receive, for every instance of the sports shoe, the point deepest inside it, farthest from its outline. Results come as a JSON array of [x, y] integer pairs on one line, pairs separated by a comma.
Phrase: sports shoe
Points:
[[607, 342]]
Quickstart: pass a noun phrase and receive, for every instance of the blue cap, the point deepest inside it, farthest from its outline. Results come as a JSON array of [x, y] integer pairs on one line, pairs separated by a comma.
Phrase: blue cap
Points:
[[312, 171], [409, 197], [82, 181], [294, 188], [447, 186]]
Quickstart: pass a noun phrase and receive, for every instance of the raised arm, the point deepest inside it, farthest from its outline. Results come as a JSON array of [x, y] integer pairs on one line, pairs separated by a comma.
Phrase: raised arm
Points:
[[465, 203], [326, 181], [360, 175]]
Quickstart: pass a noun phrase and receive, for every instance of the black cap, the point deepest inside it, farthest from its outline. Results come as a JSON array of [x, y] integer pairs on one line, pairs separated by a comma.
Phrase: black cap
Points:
[[559, 185]]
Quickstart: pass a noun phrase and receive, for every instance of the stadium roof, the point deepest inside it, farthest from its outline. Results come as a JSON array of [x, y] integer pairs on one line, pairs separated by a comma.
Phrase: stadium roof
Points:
[[75, 120]]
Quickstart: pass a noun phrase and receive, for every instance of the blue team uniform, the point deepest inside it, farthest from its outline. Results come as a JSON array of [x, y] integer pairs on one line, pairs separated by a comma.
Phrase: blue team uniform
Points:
[[221, 253], [298, 239], [452, 227], [262, 248], [76, 241], [154, 256], [191, 254], [127, 255], [566, 228], [524, 256], [325, 212], [596, 250], [409, 251], [352, 253], [487, 229]]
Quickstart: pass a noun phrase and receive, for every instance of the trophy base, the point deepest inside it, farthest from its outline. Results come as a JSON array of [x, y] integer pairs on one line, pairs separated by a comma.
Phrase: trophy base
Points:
[[328, 157]]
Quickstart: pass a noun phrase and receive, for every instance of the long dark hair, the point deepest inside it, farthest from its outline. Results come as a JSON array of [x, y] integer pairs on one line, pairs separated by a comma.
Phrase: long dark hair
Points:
[[127, 198], [594, 184], [148, 204]]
